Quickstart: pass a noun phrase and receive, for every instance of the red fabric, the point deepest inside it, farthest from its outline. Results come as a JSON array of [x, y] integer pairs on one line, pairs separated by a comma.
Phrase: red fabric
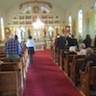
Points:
[[44, 78]]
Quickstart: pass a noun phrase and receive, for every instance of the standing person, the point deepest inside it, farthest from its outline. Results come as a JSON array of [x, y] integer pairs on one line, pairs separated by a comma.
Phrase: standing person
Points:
[[73, 41], [30, 45], [87, 41], [61, 42], [11, 49], [56, 41], [19, 46]]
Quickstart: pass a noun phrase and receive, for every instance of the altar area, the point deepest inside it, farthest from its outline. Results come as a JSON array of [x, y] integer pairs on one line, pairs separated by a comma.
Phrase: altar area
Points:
[[39, 46], [42, 44]]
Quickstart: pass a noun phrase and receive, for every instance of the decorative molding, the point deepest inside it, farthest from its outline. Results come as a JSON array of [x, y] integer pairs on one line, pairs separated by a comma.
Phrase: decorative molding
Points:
[[35, 2]]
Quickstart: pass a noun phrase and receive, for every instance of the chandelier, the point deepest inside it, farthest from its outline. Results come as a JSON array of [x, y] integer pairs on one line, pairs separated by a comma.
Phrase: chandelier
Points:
[[38, 24]]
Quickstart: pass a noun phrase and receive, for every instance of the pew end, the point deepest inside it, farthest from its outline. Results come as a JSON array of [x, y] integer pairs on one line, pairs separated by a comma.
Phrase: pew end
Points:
[[9, 85], [88, 78]]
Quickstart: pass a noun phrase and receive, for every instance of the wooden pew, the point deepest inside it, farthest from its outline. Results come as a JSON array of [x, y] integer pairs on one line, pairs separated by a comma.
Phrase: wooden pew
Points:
[[74, 68], [87, 78], [9, 83], [57, 56], [1, 49], [10, 66], [2, 55], [24, 66], [61, 59], [10, 78], [67, 61]]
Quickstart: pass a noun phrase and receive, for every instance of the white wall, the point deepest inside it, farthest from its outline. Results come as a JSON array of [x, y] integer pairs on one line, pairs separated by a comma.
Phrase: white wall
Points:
[[60, 12], [85, 5]]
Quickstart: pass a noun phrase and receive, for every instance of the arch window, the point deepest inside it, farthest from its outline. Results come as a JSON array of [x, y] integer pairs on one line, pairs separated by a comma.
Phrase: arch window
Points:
[[80, 21], [30, 8], [70, 23], [2, 28]]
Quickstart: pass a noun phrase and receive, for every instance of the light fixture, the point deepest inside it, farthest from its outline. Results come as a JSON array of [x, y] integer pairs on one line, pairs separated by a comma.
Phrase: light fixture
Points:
[[38, 24]]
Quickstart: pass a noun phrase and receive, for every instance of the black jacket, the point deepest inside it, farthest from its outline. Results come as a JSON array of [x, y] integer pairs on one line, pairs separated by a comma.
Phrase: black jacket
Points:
[[92, 58]]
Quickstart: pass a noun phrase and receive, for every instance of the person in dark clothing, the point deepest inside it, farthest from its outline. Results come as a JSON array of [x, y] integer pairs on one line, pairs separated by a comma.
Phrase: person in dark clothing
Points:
[[87, 41], [68, 38], [19, 45], [90, 56], [73, 41], [56, 41], [30, 44], [62, 42]]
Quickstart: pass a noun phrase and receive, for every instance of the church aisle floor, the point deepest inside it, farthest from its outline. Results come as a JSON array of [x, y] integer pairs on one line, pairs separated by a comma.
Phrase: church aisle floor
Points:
[[44, 78]]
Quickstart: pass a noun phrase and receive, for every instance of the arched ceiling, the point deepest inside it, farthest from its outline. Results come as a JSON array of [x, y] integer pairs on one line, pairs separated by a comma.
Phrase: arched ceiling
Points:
[[7, 4]]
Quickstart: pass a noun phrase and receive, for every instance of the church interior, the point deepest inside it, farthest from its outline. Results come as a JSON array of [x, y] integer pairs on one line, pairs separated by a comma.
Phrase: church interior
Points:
[[58, 17], [44, 20]]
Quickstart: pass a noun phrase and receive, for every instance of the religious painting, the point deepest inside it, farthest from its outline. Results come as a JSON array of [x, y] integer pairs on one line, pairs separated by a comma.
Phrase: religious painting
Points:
[[29, 32], [7, 33], [57, 30], [67, 29], [45, 31], [62, 29], [36, 9], [50, 32]]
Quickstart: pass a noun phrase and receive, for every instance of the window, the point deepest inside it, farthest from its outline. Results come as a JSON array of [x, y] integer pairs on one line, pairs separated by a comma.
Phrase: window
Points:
[[2, 28], [80, 19], [70, 23], [95, 18]]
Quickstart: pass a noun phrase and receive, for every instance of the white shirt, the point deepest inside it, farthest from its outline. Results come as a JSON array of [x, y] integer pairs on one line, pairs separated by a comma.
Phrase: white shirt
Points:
[[82, 52], [30, 43]]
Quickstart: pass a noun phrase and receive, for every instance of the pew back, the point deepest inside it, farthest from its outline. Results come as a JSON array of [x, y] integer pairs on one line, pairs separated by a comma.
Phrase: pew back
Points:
[[87, 78]]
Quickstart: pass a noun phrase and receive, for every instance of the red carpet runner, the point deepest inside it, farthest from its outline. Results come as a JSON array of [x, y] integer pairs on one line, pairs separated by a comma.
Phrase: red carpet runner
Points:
[[44, 78]]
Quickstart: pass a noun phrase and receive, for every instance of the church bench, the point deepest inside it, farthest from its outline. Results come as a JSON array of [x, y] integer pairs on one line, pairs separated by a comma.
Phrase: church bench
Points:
[[10, 66], [24, 61], [74, 68], [9, 83], [1, 49], [2, 55], [87, 78], [57, 56], [67, 60], [61, 59], [62, 54]]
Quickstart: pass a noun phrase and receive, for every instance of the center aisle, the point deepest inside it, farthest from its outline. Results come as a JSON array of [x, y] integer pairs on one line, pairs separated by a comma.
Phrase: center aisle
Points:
[[44, 78]]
